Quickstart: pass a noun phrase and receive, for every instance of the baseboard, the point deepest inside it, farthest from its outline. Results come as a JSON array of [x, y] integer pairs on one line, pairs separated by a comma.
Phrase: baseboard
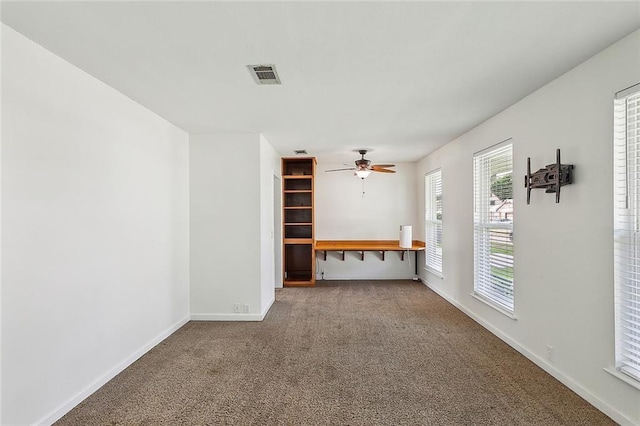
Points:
[[367, 278], [101, 381], [227, 317], [540, 362], [234, 316], [266, 309]]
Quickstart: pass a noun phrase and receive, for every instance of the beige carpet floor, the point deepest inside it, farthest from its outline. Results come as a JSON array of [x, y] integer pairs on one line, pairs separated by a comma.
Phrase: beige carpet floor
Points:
[[343, 353]]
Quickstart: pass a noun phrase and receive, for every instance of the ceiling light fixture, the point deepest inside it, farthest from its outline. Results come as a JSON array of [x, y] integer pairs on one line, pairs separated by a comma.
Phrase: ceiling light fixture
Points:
[[363, 173]]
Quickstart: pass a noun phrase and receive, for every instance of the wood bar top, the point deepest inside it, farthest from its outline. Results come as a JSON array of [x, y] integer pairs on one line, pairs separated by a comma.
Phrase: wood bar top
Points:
[[365, 245]]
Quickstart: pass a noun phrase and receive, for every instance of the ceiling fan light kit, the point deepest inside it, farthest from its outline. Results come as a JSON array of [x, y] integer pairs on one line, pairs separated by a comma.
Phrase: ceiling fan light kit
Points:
[[362, 173]]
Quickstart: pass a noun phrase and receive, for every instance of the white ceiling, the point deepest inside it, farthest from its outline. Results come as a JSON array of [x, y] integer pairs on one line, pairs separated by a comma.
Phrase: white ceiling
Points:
[[399, 78]]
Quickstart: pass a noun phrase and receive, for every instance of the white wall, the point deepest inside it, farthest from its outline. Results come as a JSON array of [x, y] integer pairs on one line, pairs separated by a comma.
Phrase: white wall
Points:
[[563, 252], [1, 36], [269, 167], [95, 242], [228, 228], [343, 213]]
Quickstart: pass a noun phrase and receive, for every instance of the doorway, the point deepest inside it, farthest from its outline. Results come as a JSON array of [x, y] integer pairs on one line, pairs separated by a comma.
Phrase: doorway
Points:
[[277, 230]]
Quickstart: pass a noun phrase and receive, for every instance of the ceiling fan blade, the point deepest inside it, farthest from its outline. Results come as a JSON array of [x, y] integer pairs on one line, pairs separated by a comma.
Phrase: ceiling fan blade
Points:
[[384, 166], [378, 169], [339, 170]]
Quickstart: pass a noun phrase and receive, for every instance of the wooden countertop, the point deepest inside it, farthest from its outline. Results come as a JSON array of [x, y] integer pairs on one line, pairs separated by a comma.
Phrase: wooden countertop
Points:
[[365, 245]]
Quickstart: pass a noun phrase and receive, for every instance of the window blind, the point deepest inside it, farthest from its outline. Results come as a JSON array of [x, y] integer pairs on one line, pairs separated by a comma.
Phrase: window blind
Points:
[[493, 226], [433, 220], [627, 231]]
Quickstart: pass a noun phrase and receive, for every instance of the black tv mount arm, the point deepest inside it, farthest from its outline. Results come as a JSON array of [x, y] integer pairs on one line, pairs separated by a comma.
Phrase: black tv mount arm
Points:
[[551, 178]]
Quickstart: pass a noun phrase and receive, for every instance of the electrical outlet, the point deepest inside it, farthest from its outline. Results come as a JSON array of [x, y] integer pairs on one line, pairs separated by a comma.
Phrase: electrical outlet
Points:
[[236, 308], [247, 308], [550, 353]]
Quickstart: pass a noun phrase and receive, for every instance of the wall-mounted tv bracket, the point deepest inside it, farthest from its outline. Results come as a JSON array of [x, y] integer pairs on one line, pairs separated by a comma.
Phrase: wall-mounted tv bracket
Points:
[[551, 177]]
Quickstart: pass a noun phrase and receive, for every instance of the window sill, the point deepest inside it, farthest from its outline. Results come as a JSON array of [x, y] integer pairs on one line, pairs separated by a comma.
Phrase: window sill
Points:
[[503, 311], [434, 272], [621, 376]]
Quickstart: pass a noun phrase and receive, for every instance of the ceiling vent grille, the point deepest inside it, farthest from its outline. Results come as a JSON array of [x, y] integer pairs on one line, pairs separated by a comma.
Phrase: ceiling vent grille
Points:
[[265, 74]]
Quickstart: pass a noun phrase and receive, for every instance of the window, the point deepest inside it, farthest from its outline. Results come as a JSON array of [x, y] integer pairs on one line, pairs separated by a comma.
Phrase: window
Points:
[[433, 221], [627, 230], [493, 226]]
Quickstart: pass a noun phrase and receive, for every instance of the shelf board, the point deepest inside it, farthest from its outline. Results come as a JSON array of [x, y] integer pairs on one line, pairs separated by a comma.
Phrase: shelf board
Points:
[[298, 191], [298, 241], [299, 283], [297, 176], [299, 208], [298, 223]]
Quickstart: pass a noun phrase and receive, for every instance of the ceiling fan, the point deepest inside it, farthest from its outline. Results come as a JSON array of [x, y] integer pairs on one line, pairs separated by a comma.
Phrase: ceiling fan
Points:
[[364, 167]]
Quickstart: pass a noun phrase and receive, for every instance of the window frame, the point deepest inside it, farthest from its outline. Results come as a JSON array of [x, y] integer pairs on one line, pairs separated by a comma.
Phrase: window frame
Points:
[[432, 224], [493, 282], [626, 235]]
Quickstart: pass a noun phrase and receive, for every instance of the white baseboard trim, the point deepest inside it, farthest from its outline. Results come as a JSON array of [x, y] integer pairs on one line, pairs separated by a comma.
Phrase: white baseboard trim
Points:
[[234, 316], [367, 278], [226, 317], [101, 381], [541, 362], [266, 309]]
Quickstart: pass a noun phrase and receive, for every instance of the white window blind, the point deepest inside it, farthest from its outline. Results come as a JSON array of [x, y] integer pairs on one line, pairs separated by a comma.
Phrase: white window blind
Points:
[[433, 220], [627, 231], [493, 226]]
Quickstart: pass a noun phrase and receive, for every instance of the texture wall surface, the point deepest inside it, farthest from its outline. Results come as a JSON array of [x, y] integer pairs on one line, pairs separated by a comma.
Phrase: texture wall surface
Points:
[[344, 213], [269, 242], [1, 37], [564, 294], [95, 260], [225, 226]]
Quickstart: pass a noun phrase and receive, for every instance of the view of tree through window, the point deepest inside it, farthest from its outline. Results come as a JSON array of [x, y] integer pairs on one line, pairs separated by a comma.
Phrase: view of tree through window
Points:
[[502, 187]]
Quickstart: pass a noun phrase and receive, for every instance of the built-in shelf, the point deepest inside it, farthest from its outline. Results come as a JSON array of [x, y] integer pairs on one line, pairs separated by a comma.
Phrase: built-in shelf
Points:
[[298, 239], [298, 168]]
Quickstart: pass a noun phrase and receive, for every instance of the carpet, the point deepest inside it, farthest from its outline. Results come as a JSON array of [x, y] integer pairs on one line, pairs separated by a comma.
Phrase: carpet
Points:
[[342, 353]]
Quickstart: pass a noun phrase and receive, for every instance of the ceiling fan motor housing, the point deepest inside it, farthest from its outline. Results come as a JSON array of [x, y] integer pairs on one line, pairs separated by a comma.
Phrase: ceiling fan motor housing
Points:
[[363, 164]]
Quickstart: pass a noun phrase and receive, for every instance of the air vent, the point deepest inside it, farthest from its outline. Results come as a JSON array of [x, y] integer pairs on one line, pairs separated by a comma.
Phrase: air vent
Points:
[[264, 74], [300, 151]]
